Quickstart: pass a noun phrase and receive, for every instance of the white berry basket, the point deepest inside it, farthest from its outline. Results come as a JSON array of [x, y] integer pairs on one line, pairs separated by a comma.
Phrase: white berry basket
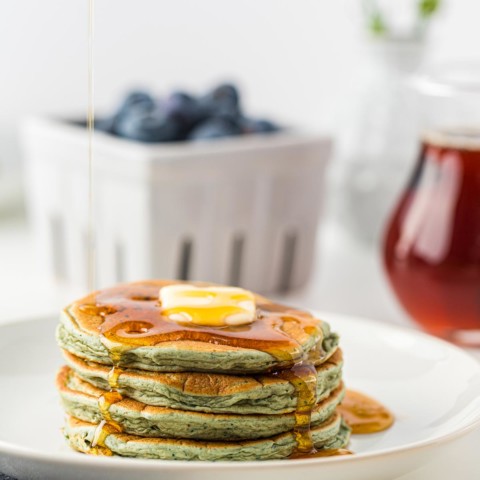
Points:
[[241, 211]]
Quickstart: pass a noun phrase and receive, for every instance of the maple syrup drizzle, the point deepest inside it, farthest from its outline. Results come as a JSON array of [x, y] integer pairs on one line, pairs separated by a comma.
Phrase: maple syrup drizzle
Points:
[[364, 414], [104, 404], [113, 376], [105, 401], [102, 431], [107, 425], [91, 253], [102, 310], [303, 377]]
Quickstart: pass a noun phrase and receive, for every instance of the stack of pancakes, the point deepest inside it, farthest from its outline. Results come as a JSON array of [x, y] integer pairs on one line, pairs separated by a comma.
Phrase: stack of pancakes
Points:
[[139, 385]]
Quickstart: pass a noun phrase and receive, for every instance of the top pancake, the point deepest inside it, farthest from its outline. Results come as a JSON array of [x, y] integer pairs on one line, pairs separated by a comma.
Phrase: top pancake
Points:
[[124, 326]]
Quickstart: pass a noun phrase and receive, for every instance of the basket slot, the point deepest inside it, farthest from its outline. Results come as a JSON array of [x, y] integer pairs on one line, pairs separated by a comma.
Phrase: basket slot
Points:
[[119, 262], [236, 260], [288, 261], [185, 259], [57, 229]]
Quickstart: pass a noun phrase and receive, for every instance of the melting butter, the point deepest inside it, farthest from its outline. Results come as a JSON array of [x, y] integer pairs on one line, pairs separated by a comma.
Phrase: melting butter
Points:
[[208, 306]]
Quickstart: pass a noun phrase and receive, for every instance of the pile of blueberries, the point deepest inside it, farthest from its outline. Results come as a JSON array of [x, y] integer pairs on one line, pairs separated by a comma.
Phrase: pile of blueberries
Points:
[[182, 116]]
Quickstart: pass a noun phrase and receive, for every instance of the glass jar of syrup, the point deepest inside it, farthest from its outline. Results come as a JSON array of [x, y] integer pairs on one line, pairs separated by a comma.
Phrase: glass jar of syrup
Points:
[[432, 242]]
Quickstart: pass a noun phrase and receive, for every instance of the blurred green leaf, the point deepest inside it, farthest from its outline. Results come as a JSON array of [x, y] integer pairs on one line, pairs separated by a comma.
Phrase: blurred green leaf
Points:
[[377, 24], [427, 8]]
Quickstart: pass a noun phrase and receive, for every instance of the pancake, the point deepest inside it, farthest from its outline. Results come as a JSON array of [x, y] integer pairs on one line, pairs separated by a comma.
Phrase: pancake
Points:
[[81, 400], [124, 326], [160, 369], [210, 393], [80, 435]]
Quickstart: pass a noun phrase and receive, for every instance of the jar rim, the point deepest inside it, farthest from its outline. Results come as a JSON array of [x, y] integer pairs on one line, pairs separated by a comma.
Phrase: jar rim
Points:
[[448, 79]]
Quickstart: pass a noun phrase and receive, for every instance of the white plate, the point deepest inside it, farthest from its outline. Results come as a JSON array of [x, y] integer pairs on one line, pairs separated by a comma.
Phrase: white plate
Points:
[[432, 387]]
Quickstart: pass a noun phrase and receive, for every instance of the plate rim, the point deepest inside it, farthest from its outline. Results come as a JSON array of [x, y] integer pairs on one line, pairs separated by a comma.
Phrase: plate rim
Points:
[[66, 459]]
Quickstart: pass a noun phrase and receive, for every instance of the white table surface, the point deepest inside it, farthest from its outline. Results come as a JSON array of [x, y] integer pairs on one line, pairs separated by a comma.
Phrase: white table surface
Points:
[[347, 278]]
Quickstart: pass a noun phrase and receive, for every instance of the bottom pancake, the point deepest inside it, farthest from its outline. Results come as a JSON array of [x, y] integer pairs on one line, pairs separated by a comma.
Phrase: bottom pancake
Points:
[[80, 435]]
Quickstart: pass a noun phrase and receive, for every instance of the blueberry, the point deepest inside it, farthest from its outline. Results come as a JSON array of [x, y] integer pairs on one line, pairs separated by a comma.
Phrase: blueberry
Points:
[[182, 116], [183, 107], [252, 125], [149, 126], [226, 93], [222, 100], [217, 127], [136, 99]]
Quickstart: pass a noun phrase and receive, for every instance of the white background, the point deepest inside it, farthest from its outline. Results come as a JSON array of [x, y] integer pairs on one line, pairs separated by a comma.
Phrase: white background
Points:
[[303, 61]]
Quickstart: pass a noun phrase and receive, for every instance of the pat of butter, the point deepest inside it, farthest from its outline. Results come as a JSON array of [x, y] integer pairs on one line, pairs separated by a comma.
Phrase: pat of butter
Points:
[[209, 306]]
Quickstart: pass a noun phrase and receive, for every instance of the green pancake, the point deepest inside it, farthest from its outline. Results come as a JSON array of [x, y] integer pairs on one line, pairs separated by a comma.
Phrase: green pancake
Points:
[[210, 393], [331, 434], [207, 349], [81, 400]]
